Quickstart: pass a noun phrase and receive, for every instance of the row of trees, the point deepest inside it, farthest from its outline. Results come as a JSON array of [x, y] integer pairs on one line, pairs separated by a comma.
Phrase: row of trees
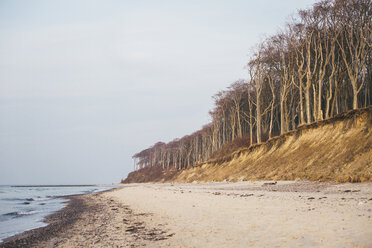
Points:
[[319, 65]]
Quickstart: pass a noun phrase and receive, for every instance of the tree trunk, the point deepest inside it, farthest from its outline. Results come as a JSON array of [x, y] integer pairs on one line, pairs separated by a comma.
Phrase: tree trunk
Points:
[[320, 112], [282, 120], [315, 102], [307, 103], [239, 125], [271, 118], [250, 127], [355, 99], [302, 118], [258, 117]]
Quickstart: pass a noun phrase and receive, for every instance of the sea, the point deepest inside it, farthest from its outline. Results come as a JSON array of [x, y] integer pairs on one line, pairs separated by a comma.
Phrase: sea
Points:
[[24, 208]]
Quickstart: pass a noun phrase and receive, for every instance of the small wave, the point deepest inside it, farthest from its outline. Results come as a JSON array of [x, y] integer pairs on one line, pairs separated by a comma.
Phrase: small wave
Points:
[[28, 212], [39, 198], [28, 201], [19, 199], [20, 214], [11, 214], [14, 199]]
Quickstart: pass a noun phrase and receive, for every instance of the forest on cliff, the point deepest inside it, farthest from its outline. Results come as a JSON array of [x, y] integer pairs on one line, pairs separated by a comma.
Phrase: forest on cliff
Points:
[[317, 66]]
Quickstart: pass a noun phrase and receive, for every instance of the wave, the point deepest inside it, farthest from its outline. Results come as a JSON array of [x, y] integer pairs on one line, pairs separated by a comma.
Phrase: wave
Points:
[[11, 214], [18, 199], [20, 213], [14, 199], [14, 215]]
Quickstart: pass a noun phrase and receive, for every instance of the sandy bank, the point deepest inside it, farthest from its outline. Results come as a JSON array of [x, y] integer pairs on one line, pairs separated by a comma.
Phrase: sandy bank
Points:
[[244, 214]]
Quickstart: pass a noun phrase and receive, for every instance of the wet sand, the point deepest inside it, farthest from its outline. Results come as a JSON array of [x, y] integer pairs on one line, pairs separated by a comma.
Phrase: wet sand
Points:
[[91, 220], [243, 214]]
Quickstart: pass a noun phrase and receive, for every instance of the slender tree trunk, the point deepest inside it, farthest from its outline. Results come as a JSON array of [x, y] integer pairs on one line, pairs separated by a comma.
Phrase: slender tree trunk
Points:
[[307, 103], [271, 118], [334, 98], [315, 103], [232, 126], [302, 118], [329, 97], [258, 117], [355, 94], [251, 128], [282, 119], [250, 119], [286, 114], [224, 130], [294, 114], [355, 99], [240, 134], [320, 112]]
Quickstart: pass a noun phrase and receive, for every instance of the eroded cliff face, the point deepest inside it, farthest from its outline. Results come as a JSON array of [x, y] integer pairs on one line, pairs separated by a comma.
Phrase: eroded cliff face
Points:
[[338, 149]]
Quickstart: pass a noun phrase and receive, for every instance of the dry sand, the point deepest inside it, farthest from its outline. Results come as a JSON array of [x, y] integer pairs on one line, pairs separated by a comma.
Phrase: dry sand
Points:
[[289, 214], [243, 214]]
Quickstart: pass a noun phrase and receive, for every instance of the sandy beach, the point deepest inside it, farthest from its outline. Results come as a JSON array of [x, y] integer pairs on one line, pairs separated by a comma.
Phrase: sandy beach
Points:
[[242, 214]]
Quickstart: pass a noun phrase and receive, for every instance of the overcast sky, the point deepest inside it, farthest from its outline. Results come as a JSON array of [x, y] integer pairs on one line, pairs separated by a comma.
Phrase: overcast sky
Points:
[[86, 84]]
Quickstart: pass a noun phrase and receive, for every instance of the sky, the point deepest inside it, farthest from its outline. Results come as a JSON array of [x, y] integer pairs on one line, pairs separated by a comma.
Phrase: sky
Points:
[[84, 85]]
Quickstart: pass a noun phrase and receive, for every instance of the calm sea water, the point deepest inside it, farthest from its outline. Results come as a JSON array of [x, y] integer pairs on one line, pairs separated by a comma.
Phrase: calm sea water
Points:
[[24, 208]]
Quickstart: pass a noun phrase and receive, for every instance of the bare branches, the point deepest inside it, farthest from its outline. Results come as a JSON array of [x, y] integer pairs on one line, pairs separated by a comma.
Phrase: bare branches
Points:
[[319, 65]]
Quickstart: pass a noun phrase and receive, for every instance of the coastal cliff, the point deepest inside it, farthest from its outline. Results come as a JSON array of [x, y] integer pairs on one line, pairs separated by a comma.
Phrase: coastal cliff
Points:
[[337, 149], [290, 117]]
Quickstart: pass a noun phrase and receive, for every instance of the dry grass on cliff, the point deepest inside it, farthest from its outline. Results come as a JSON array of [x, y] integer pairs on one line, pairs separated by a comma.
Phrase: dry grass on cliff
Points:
[[338, 149]]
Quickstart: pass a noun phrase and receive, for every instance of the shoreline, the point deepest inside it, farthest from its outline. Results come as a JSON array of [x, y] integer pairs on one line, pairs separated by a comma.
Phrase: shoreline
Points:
[[57, 221], [215, 214], [96, 211]]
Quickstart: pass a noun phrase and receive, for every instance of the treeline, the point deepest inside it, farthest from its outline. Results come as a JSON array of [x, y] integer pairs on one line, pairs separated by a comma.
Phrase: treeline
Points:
[[319, 65]]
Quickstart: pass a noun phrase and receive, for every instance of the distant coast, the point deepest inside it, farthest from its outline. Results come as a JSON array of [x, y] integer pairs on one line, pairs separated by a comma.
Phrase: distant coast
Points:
[[59, 186]]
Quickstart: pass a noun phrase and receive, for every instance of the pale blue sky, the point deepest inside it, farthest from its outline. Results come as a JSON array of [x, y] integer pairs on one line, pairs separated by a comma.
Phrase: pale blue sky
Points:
[[86, 84]]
